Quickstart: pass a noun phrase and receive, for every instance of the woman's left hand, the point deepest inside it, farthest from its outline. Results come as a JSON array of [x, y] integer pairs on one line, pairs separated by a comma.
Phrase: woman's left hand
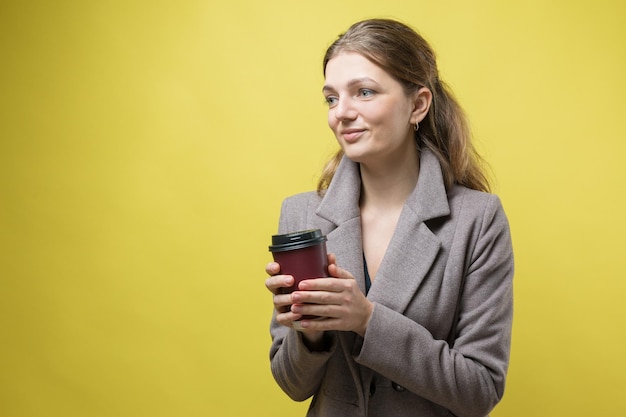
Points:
[[337, 298]]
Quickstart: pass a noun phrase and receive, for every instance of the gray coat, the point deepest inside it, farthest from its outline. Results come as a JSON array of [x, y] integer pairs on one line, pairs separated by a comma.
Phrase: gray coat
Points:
[[439, 338]]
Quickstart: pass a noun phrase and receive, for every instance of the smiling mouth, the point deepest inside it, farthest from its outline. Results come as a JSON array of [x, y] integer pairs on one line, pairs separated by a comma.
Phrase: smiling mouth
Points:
[[350, 135]]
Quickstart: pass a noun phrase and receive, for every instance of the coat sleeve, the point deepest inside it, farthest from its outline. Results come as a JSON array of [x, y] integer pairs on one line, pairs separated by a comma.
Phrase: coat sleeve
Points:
[[466, 376], [296, 369]]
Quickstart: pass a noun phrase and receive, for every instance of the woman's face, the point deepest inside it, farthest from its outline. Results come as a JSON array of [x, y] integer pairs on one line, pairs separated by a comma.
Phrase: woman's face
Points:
[[369, 111]]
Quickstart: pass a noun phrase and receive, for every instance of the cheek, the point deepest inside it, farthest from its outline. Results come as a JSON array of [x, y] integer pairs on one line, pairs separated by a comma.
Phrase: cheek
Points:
[[332, 121]]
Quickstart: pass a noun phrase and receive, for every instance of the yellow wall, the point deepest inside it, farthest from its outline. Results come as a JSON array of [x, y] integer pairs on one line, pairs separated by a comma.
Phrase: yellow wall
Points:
[[145, 147]]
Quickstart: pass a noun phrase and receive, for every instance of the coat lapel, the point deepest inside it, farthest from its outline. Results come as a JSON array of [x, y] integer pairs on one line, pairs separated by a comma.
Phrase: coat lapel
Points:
[[410, 254], [340, 207], [413, 247]]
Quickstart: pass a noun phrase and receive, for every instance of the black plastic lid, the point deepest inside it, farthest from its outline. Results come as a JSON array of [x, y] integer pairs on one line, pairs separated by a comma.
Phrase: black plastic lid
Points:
[[296, 240]]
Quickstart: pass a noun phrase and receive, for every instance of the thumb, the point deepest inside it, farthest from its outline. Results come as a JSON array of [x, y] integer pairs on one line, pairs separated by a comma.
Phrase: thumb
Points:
[[337, 272]]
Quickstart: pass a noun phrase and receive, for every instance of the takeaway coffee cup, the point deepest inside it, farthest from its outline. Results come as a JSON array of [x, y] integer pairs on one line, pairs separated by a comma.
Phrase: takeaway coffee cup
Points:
[[300, 254]]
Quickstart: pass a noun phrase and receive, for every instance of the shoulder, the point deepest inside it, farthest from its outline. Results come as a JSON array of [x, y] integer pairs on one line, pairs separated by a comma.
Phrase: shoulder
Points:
[[297, 210], [479, 214], [301, 201], [473, 202]]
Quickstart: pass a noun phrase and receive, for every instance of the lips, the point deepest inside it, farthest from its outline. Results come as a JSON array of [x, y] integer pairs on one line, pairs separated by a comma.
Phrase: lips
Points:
[[351, 135]]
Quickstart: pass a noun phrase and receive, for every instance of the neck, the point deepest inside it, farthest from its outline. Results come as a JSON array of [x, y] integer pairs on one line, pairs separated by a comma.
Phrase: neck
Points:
[[387, 185]]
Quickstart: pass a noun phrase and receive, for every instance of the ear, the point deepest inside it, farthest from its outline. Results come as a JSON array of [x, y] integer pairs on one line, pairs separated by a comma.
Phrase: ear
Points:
[[422, 99]]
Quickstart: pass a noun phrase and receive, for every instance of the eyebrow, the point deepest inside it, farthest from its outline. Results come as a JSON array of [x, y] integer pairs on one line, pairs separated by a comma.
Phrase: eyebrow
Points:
[[351, 83]]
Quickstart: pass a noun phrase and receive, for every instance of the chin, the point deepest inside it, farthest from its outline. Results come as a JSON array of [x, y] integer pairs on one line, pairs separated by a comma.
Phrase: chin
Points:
[[358, 153], [353, 156]]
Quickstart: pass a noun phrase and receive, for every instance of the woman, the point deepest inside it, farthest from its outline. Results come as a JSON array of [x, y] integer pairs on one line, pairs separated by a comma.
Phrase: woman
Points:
[[417, 320]]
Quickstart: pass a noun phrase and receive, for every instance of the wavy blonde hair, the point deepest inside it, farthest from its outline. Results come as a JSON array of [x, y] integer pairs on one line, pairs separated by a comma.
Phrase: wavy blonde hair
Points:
[[407, 57]]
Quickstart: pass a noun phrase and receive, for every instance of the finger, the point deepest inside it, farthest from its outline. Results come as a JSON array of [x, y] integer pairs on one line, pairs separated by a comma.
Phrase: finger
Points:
[[306, 298], [281, 301], [274, 283], [321, 324], [320, 284], [318, 310], [338, 272], [287, 318], [272, 268], [332, 259]]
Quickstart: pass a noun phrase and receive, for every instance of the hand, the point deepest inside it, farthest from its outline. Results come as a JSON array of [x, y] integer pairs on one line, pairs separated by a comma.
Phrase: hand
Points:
[[337, 298], [275, 283], [283, 303]]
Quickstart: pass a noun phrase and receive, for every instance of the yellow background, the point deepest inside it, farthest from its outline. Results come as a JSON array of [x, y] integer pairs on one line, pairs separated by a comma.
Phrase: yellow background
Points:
[[145, 147]]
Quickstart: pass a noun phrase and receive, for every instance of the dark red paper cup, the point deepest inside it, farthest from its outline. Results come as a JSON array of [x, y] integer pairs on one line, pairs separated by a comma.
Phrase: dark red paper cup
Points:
[[302, 255]]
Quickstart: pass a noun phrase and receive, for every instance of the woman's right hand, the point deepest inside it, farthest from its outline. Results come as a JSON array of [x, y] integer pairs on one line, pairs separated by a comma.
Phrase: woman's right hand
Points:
[[274, 283], [282, 304]]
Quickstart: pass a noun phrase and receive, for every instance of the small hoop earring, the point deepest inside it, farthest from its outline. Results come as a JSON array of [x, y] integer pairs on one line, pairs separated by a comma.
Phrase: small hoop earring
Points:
[[417, 126]]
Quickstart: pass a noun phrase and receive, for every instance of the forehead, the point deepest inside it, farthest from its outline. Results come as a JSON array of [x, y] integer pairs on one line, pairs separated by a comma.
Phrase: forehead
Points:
[[347, 66]]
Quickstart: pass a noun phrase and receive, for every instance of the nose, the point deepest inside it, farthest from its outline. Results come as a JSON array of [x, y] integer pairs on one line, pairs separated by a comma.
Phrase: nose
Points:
[[344, 109]]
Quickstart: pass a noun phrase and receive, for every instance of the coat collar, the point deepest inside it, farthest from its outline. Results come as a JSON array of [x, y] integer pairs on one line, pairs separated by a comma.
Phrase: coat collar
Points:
[[428, 200]]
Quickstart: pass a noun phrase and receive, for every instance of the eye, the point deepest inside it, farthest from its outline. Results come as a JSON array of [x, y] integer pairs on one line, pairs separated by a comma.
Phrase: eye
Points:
[[331, 100], [366, 92]]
